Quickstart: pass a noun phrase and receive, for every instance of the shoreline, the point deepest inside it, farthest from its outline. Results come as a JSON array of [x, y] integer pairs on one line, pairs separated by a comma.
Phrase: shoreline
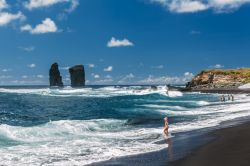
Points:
[[215, 90], [230, 147], [184, 148], [221, 91], [176, 150]]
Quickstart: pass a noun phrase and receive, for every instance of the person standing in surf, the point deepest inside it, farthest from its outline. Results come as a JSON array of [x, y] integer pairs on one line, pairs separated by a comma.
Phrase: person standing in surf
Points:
[[166, 126], [232, 97]]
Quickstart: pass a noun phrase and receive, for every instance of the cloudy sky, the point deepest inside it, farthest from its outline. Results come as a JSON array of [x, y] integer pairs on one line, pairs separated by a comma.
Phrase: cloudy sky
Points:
[[121, 41]]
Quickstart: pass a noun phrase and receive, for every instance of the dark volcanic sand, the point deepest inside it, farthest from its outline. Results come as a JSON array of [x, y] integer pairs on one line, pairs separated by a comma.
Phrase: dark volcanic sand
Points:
[[224, 147], [178, 147], [231, 148]]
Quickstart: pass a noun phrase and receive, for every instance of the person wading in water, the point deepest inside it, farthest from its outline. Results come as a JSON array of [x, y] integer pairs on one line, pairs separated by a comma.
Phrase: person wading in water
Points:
[[166, 126]]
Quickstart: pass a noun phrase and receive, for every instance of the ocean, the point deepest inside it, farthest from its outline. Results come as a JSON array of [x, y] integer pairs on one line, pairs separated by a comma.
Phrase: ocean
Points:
[[43, 126]]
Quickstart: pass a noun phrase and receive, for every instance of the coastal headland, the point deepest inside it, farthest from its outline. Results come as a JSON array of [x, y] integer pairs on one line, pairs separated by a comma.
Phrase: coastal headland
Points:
[[219, 81]]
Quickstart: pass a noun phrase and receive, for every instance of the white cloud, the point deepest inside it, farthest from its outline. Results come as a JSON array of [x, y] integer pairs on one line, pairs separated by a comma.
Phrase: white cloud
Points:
[[6, 18], [47, 26], [194, 32], [27, 49], [128, 79], [67, 79], [104, 81], [217, 66], [32, 65], [34, 4], [157, 80], [163, 80], [182, 6], [91, 65], [3, 4], [227, 5], [74, 4], [39, 76], [186, 6], [190, 6], [108, 76], [158, 67], [25, 82], [188, 74], [96, 76], [119, 43], [6, 70], [24, 76], [64, 68], [108, 69]]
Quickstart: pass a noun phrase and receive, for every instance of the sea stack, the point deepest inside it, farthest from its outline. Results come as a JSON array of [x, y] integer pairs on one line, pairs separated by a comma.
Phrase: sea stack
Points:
[[77, 76], [55, 78]]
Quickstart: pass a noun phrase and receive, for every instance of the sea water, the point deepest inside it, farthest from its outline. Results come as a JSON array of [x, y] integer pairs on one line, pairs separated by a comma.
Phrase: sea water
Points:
[[43, 126]]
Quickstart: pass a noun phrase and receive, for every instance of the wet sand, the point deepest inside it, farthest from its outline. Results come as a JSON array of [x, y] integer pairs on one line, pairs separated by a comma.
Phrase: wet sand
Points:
[[178, 146], [231, 147], [228, 146]]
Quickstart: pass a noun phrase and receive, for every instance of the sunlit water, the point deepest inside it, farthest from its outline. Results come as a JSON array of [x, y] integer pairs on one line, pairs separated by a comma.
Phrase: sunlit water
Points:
[[81, 126]]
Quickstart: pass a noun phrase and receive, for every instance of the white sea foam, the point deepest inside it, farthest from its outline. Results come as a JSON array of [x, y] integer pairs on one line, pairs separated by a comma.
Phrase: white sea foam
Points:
[[246, 86], [217, 115], [76, 142], [202, 103], [109, 91], [155, 106]]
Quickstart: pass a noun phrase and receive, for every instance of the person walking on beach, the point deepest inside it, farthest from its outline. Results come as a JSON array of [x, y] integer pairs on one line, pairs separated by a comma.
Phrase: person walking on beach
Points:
[[166, 126]]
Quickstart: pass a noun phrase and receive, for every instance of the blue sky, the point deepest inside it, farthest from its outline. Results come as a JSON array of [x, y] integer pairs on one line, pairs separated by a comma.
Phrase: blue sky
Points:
[[122, 41]]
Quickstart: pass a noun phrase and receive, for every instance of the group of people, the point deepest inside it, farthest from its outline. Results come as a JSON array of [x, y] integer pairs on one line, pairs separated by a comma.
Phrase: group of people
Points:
[[229, 98]]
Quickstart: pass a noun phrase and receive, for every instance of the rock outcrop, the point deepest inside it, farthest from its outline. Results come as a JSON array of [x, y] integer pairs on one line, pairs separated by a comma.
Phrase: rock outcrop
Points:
[[77, 76], [55, 78], [220, 79]]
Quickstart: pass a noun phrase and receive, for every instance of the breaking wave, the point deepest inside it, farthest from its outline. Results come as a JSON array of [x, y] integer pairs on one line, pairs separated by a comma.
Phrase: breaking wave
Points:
[[76, 142], [109, 91]]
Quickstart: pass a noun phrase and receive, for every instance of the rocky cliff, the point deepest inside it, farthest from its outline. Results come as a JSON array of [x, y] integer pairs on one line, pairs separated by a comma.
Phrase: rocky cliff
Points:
[[212, 79], [55, 78], [77, 76]]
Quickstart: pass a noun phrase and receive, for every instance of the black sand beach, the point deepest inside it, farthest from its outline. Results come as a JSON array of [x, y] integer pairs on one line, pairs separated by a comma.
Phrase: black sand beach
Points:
[[227, 146], [178, 146], [231, 147]]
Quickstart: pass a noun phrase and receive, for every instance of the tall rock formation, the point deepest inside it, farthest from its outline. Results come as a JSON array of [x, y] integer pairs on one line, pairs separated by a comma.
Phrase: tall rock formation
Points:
[[55, 78], [77, 76]]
